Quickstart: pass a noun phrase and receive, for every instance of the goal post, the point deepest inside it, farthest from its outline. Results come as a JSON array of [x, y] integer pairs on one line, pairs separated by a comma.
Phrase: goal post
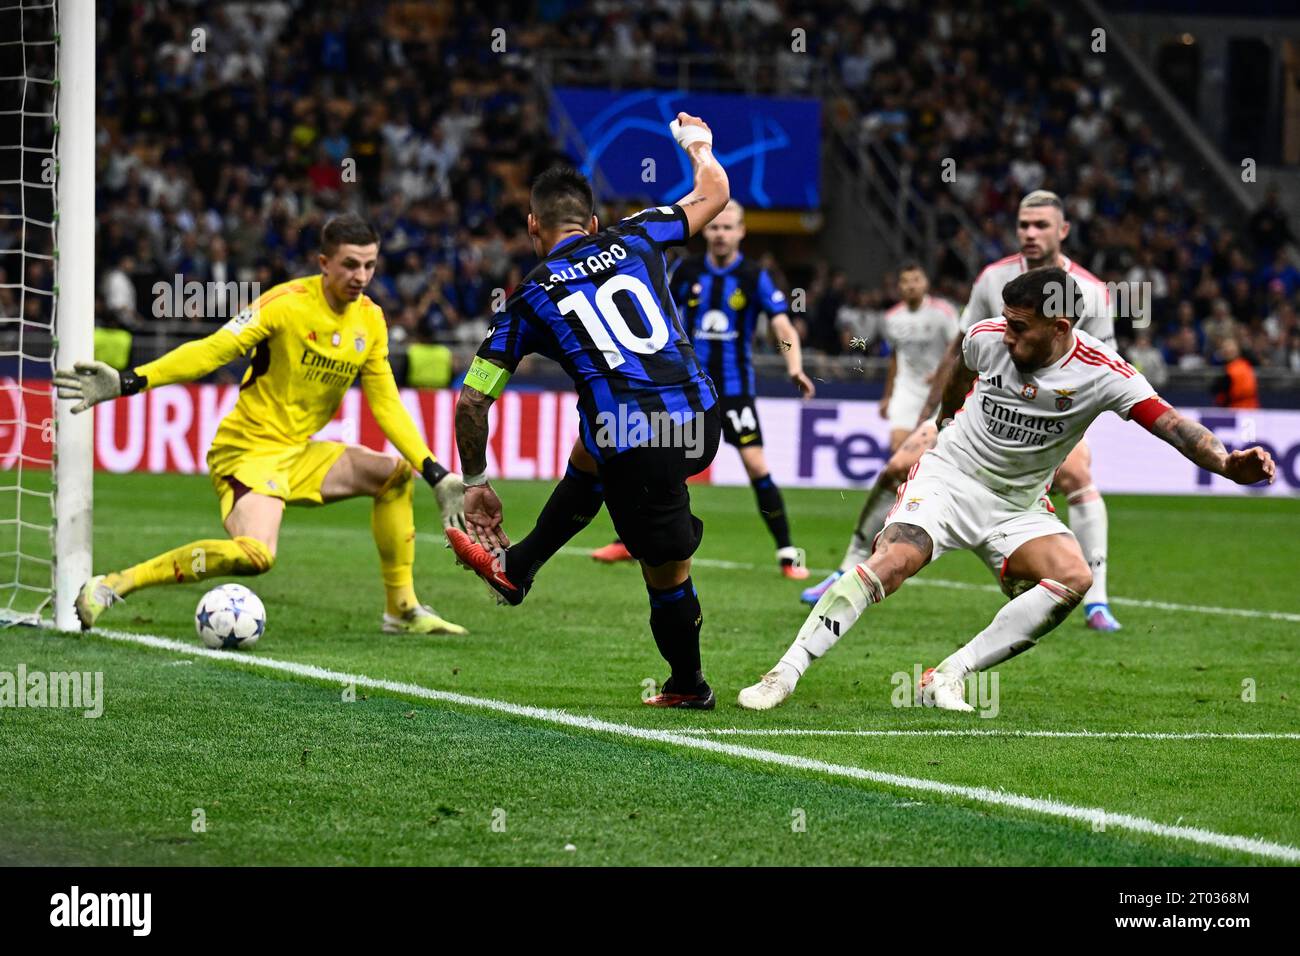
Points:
[[74, 301]]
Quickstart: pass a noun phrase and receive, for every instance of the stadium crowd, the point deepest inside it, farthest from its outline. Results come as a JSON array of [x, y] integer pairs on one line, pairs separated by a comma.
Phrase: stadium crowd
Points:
[[229, 132]]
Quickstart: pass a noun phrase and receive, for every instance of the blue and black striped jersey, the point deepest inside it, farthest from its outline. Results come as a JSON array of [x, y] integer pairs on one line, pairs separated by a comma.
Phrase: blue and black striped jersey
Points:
[[721, 308], [600, 306]]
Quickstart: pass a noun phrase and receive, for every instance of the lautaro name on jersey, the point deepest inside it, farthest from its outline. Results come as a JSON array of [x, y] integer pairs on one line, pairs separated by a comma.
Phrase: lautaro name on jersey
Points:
[[600, 306]]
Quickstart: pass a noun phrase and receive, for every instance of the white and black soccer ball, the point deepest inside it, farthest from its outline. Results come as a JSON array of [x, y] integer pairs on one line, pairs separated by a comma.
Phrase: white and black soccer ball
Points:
[[230, 616]]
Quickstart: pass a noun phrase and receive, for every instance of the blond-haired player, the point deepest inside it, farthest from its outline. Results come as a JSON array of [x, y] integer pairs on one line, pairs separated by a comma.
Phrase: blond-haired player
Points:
[[309, 339]]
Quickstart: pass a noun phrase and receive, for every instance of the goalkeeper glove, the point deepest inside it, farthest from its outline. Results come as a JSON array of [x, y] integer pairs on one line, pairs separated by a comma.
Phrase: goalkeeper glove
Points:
[[449, 490], [95, 382]]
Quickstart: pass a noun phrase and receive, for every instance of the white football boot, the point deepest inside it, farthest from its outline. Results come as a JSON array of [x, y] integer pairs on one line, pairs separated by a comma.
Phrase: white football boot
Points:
[[767, 693], [944, 691]]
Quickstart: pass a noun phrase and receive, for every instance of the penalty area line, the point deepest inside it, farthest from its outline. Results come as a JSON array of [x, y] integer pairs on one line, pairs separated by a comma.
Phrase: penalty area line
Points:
[[1252, 846]]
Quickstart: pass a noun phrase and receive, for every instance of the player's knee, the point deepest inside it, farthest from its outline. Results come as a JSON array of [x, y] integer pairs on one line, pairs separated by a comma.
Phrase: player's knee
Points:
[[1082, 495], [256, 557], [1076, 577], [397, 483], [1074, 477]]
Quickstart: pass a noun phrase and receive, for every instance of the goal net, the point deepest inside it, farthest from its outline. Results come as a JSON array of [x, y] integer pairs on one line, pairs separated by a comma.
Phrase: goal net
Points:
[[44, 271]]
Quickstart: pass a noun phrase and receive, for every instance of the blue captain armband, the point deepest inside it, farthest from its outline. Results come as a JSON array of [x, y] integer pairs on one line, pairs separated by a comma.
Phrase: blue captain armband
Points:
[[487, 378]]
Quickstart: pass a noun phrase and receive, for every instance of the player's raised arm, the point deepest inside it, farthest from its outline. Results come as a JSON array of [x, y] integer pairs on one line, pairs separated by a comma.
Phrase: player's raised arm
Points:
[[1201, 446], [712, 189]]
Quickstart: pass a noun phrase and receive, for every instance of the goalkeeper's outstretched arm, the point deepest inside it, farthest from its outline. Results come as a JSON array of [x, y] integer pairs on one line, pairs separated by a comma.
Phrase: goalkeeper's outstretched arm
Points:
[[90, 383]]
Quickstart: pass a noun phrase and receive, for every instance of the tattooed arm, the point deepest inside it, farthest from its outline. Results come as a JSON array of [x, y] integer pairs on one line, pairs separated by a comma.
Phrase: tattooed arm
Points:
[[482, 506], [1198, 444]]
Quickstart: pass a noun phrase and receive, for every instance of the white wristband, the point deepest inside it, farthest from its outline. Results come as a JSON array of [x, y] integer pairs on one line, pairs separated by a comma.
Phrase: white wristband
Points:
[[690, 135], [473, 481]]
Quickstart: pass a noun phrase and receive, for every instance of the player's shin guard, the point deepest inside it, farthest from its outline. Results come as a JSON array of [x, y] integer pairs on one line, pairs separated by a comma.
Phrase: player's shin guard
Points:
[[392, 522], [1090, 524], [572, 505], [831, 618], [772, 507], [675, 621], [870, 520], [1015, 628], [196, 561]]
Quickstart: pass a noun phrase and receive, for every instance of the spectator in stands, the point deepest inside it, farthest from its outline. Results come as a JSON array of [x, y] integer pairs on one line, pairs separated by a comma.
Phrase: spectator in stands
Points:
[[1238, 387], [1148, 360], [1268, 227]]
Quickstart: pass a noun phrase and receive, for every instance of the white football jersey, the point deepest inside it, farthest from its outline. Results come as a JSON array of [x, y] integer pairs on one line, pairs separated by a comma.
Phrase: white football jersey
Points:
[[919, 339], [1014, 430], [1097, 318]]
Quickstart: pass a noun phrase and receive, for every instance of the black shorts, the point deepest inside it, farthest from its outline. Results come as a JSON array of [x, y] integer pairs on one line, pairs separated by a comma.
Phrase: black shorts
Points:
[[647, 497], [740, 421]]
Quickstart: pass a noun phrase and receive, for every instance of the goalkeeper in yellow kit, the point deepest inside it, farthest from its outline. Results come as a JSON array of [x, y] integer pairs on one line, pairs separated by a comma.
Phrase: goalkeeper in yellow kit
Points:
[[309, 338]]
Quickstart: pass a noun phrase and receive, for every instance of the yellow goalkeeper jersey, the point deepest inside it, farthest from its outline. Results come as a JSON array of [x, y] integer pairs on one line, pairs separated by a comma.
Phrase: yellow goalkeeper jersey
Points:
[[304, 358]]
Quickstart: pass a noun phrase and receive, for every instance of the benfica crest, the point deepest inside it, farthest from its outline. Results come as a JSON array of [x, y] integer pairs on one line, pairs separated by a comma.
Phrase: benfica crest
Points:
[[912, 504], [1064, 398], [336, 339], [360, 343]]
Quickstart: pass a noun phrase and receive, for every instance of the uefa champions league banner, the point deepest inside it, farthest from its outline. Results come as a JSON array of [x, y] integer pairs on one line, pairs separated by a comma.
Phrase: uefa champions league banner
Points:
[[817, 444]]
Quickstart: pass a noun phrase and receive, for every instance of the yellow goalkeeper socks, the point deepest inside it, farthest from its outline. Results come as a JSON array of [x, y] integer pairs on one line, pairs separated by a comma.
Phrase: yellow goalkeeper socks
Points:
[[196, 561], [392, 521]]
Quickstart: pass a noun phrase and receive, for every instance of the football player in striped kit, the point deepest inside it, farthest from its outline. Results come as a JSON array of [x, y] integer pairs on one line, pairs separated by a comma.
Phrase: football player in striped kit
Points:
[[599, 304], [722, 294]]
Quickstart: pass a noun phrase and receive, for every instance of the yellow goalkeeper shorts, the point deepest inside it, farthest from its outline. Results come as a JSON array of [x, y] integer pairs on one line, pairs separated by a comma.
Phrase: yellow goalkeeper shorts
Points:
[[294, 474]]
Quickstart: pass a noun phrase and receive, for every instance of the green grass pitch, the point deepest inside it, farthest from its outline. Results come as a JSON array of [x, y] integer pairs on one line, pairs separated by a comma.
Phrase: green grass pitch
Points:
[[282, 769]]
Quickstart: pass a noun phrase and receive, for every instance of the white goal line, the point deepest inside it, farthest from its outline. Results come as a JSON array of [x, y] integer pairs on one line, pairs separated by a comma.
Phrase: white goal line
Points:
[[977, 732]]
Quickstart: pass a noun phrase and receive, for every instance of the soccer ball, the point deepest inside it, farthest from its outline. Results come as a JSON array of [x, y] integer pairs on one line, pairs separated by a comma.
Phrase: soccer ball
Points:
[[230, 616]]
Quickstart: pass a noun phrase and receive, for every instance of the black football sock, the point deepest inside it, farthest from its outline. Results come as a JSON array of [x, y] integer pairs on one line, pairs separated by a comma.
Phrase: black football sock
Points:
[[572, 505], [772, 508], [675, 620]]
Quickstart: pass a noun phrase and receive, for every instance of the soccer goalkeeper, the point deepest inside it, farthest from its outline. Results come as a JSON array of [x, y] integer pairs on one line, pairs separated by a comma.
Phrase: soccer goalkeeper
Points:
[[309, 338]]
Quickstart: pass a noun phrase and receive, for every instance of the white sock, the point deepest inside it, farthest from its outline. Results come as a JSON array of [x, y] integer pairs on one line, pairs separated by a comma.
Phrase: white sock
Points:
[[830, 619], [872, 518], [1015, 628], [1089, 523]]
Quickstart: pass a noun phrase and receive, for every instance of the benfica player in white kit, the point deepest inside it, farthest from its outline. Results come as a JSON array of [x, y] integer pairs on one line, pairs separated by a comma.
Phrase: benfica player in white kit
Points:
[[919, 330], [1041, 227], [1028, 386]]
